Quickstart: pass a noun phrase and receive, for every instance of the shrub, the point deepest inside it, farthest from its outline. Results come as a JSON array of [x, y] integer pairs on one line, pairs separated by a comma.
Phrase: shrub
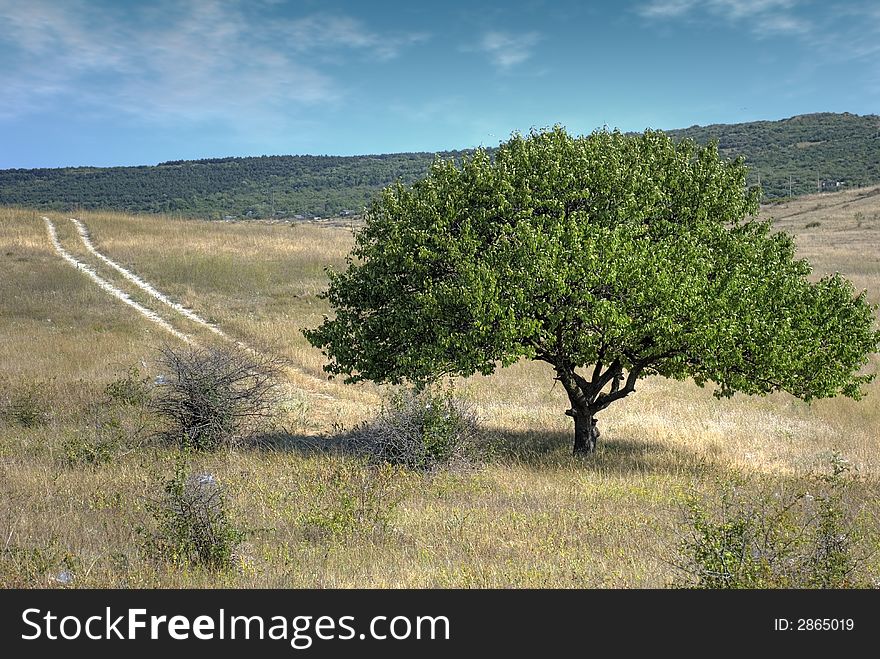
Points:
[[193, 525], [29, 566], [353, 498], [130, 389], [804, 539], [215, 397], [78, 449], [26, 405], [120, 420], [424, 430]]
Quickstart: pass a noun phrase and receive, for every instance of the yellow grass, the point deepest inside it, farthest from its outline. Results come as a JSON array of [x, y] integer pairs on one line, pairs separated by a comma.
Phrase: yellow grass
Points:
[[533, 517]]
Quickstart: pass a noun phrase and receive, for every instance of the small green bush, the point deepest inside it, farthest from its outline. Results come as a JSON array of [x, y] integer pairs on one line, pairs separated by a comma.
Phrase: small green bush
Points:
[[78, 450], [354, 498], [811, 538], [29, 566], [129, 389], [192, 522], [120, 421], [422, 430], [27, 404]]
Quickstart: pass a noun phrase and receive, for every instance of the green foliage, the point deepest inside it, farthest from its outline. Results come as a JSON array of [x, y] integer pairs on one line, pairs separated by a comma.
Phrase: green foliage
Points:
[[423, 430], [354, 499], [38, 567], [192, 525], [630, 253], [79, 449], [806, 539], [130, 389], [26, 403], [115, 424]]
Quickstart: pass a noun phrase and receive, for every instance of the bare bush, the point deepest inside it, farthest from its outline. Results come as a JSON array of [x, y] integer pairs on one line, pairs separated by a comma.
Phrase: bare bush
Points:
[[216, 397], [424, 430]]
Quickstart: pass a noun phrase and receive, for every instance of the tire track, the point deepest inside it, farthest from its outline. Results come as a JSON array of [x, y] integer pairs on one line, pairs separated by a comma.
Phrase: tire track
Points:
[[106, 286], [145, 286], [151, 290]]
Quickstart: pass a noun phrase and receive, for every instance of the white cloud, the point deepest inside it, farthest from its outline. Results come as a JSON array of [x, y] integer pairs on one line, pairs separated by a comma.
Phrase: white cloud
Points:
[[506, 50], [170, 61], [737, 9], [666, 8], [782, 25], [323, 31], [762, 16], [836, 32]]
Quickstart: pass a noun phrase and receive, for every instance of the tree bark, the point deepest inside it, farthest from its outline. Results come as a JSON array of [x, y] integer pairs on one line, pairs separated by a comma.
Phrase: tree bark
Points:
[[582, 444], [585, 431]]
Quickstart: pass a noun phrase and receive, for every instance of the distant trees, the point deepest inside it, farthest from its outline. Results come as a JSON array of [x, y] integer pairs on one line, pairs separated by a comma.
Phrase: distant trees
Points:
[[833, 146], [311, 185], [842, 147], [608, 257]]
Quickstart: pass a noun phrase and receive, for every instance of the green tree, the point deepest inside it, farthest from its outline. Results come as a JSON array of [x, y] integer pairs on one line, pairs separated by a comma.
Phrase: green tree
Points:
[[611, 257]]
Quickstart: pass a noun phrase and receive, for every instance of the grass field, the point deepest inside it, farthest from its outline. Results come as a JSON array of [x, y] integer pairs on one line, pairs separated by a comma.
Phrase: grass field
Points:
[[532, 517]]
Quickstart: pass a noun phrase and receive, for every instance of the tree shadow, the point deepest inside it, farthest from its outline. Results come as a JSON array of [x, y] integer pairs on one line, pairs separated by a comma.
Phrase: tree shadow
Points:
[[283, 441], [625, 455], [620, 455], [342, 442]]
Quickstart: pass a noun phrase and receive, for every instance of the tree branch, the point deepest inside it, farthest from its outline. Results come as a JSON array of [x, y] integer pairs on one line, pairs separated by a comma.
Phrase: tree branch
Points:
[[569, 380], [604, 400], [614, 369]]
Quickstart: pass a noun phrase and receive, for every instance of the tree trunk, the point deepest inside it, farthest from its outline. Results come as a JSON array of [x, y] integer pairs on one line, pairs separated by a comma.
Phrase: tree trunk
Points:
[[583, 396], [585, 432]]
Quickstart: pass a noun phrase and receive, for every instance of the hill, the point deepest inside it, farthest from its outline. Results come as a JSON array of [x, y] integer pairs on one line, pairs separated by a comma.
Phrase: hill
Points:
[[257, 187], [818, 151]]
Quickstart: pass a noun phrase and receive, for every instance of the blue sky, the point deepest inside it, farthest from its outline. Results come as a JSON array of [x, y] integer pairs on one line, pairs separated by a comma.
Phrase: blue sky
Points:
[[92, 82]]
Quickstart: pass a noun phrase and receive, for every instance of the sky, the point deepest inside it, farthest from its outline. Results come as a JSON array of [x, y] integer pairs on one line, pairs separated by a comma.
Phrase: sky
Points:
[[118, 82]]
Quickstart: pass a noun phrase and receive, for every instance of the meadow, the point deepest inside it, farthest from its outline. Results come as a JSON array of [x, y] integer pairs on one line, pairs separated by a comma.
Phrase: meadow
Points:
[[532, 516]]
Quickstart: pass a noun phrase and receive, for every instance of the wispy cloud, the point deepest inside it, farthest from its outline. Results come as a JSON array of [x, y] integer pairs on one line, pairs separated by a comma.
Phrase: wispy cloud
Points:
[[666, 8], [836, 32], [761, 16], [210, 59], [782, 24], [327, 31], [506, 50]]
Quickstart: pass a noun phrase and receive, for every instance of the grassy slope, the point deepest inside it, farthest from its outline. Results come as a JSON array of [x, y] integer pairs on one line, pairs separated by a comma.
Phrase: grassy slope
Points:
[[533, 517]]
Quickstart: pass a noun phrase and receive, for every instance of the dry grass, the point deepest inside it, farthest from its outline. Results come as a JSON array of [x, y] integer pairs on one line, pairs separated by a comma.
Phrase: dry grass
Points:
[[535, 517]]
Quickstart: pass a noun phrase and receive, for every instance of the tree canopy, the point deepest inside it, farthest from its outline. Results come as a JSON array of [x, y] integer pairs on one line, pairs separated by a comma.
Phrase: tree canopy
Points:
[[611, 257]]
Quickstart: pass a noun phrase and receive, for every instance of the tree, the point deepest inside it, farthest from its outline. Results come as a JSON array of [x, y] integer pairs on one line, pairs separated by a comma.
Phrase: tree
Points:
[[611, 257]]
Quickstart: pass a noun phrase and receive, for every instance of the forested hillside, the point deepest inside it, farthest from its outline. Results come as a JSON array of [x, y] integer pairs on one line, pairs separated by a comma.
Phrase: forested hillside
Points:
[[824, 151], [819, 152], [264, 186]]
